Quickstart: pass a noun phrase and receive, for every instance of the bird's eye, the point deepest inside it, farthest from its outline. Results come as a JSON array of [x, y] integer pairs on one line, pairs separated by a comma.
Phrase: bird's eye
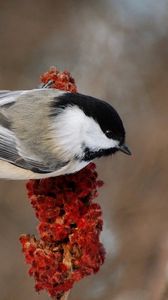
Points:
[[109, 134]]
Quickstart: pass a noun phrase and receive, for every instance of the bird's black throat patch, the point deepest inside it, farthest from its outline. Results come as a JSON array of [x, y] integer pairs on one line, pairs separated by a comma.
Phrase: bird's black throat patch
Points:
[[90, 154]]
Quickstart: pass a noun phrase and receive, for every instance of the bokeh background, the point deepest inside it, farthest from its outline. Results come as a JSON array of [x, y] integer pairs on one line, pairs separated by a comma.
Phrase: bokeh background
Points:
[[116, 50]]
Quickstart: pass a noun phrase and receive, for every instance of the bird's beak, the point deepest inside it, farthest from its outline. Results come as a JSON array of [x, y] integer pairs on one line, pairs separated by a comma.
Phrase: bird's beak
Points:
[[123, 148]]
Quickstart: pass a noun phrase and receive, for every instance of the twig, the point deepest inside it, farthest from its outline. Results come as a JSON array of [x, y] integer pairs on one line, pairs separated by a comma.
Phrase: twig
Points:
[[65, 296]]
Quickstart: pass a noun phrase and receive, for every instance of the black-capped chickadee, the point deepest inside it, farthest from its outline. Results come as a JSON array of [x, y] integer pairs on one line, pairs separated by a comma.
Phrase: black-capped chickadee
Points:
[[48, 132]]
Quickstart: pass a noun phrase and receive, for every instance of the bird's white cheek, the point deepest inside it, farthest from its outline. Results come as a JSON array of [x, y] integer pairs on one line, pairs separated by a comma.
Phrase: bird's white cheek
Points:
[[67, 132]]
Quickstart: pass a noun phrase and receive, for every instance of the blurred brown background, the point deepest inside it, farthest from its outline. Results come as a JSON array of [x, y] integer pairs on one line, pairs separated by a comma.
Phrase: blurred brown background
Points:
[[117, 50]]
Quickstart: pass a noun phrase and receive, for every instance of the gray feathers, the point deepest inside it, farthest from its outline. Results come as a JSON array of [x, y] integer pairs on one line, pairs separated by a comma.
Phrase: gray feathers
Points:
[[4, 122], [9, 153], [24, 129]]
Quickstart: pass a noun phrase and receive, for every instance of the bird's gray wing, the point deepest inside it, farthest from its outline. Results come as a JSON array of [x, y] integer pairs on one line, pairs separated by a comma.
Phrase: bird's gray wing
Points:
[[10, 145], [9, 151], [8, 97]]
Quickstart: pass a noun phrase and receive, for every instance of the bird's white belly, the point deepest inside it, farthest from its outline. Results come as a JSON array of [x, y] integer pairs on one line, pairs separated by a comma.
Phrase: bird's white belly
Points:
[[9, 171]]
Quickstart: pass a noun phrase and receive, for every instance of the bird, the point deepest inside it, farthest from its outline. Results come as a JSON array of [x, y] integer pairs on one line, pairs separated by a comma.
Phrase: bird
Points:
[[47, 132]]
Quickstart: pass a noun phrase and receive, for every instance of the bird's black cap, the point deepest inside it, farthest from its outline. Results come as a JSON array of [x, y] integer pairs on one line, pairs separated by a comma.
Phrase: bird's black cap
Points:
[[102, 112]]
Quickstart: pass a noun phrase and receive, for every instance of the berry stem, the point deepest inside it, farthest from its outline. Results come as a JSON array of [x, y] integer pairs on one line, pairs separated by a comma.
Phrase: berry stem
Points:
[[65, 296]]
